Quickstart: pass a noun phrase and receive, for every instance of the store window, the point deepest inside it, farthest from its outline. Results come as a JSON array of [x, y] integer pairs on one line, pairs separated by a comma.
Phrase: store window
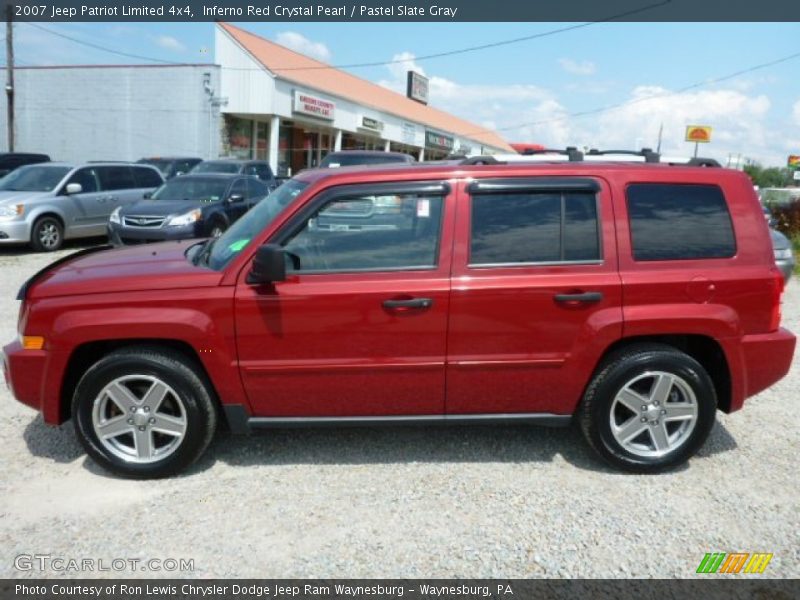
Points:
[[262, 141], [240, 137]]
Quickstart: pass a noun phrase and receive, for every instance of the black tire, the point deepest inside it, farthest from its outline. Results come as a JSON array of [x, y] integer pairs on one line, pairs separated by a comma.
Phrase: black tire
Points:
[[189, 384], [594, 413], [47, 234], [217, 228]]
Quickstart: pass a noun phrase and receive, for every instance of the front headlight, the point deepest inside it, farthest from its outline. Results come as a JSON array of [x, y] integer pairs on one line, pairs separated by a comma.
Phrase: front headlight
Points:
[[12, 210], [114, 218], [185, 219], [783, 254]]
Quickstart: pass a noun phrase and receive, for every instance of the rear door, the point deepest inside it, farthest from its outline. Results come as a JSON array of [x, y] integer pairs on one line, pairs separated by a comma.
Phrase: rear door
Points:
[[536, 293], [120, 187]]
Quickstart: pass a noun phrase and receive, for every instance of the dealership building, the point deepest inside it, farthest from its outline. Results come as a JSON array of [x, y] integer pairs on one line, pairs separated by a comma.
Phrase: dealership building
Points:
[[257, 100]]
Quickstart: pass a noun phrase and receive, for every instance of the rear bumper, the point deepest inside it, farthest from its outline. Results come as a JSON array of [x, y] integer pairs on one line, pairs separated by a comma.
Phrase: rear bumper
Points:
[[24, 372], [766, 359]]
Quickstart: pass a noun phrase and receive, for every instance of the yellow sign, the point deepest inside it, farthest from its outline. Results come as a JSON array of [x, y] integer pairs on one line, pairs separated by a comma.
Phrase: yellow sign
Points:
[[698, 133]]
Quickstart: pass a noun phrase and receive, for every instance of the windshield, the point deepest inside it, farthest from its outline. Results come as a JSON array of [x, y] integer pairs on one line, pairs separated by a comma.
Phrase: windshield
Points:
[[33, 179], [217, 167], [235, 239], [202, 189], [161, 165], [348, 160]]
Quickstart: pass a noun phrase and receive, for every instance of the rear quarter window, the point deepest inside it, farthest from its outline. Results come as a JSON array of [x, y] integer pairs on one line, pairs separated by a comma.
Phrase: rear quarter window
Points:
[[679, 222], [146, 178]]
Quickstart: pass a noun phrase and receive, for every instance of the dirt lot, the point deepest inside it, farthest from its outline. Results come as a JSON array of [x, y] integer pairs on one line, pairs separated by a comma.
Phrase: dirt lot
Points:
[[481, 501]]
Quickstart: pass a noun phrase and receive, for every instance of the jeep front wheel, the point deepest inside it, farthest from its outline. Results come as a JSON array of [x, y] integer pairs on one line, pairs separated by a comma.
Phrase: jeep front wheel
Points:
[[141, 413]]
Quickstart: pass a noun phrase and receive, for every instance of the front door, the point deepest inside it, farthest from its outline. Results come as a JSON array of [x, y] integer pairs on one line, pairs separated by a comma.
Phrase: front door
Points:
[[536, 294], [359, 326], [87, 213]]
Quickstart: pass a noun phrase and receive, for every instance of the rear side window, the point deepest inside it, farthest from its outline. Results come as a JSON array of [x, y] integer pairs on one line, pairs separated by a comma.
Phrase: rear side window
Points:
[[534, 227], [146, 178], [116, 178], [679, 222]]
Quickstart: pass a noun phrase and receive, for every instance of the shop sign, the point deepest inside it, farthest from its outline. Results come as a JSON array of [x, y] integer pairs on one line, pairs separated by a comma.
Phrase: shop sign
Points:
[[313, 105], [371, 124], [438, 141], [408, 133], [417, 87], [698, 133], [793, 162]]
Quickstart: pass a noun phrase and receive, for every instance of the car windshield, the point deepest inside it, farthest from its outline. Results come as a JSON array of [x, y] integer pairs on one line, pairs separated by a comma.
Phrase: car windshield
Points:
[[160, 164], [235, 239], [33, 179], [202, 189], [349, 160], [217, 166]]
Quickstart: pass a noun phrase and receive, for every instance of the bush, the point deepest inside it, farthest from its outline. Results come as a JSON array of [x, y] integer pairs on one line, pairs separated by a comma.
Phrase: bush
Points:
[[787, 218]]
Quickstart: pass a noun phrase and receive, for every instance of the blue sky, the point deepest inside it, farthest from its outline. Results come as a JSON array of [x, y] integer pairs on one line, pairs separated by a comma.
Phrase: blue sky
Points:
[[539, 82]]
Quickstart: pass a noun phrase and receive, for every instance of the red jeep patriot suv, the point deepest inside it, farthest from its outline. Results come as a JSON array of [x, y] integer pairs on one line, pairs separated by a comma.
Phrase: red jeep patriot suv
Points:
[[633, 299]]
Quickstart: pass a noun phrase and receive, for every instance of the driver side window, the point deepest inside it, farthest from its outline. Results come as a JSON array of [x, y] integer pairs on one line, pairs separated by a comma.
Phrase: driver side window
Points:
[[369, 233], [87, 178]]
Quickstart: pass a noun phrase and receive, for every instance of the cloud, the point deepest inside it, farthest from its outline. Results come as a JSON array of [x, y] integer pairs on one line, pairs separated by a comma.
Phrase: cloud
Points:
[[584, 67], [740, 117], [303, 45], [169, 43]]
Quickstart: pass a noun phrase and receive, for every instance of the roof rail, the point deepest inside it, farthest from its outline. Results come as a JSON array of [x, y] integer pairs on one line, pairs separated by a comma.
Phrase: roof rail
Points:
[[572, 154]]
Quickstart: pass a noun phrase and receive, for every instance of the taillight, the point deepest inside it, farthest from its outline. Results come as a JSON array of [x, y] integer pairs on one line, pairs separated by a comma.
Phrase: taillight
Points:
[[775, 316]]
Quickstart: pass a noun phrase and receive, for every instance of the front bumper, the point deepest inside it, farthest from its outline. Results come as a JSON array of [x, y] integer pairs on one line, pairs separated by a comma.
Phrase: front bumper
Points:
[[24, 372], [15, 232], [119, 234]]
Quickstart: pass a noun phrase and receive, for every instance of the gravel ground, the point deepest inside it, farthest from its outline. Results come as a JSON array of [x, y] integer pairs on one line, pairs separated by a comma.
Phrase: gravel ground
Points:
[[405, 502]]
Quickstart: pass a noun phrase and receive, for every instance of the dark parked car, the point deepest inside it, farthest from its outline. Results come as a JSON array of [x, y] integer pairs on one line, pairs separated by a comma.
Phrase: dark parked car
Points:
[[12, 160], [257, 168], [784, 256], [351, 158], [171, 166], [187, 207]]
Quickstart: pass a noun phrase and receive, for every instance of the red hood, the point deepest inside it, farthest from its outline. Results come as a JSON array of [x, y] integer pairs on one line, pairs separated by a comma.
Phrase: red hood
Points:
[[137, 268]]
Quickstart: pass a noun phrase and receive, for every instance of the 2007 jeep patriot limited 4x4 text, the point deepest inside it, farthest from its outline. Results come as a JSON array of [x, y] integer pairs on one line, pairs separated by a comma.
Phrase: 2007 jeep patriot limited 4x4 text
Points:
[[634, 299]]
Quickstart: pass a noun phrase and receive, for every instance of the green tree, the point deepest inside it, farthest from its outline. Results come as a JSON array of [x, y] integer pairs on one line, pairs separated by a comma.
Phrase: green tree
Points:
[[768, 177]]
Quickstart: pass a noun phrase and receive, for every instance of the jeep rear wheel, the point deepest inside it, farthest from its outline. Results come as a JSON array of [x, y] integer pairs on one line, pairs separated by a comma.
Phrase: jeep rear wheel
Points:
[[142, 413], [648, 409]]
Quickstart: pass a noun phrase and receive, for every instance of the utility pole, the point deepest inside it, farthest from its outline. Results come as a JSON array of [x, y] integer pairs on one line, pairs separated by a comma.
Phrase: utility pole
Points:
[[10, 76], [660, 133]]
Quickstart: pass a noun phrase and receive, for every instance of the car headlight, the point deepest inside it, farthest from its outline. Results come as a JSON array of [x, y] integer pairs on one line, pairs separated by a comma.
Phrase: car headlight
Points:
[[185, 219], [114, 218], [12, 210], [783, 254]]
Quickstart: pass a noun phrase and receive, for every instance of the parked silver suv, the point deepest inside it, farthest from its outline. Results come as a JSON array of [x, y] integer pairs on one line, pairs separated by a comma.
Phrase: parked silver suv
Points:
[[45, 204]]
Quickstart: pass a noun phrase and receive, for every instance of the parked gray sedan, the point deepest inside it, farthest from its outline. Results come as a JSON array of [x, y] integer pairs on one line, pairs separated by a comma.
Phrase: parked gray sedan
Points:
[[44, 204]]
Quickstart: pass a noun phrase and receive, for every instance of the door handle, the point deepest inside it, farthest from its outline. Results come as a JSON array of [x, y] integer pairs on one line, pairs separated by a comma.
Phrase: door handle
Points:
[[408, 304], [579, 297]]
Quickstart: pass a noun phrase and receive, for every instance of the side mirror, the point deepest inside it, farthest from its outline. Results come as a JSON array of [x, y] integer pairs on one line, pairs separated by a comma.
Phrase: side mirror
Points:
[[269, 265], [147, 195], [73, 188], [235, 198]]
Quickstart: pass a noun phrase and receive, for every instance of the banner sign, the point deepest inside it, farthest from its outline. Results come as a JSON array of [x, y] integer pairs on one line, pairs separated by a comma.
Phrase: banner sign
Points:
[[313, 105], [793, 162], [698, 133], [438, 141]]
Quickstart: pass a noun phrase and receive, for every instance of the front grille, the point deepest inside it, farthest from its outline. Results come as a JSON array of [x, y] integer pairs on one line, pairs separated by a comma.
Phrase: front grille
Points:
[[143, 221]]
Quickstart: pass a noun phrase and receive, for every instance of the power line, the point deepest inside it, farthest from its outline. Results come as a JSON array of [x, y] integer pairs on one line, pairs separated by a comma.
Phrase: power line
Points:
[[465, 50], [612, 107]]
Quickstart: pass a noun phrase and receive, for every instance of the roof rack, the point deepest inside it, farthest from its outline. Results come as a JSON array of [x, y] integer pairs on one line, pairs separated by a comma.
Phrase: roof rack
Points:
[[572, 154]]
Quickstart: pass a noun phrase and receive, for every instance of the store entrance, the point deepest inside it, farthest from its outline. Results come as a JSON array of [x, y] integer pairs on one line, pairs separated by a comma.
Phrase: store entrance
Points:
[[302, 148]]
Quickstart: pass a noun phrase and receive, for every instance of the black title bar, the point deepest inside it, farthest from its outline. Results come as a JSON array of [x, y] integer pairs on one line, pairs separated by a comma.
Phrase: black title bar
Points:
[[401, 11]]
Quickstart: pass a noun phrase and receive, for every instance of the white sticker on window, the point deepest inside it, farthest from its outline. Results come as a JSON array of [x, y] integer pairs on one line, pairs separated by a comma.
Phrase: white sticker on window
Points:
[[423, 208]]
